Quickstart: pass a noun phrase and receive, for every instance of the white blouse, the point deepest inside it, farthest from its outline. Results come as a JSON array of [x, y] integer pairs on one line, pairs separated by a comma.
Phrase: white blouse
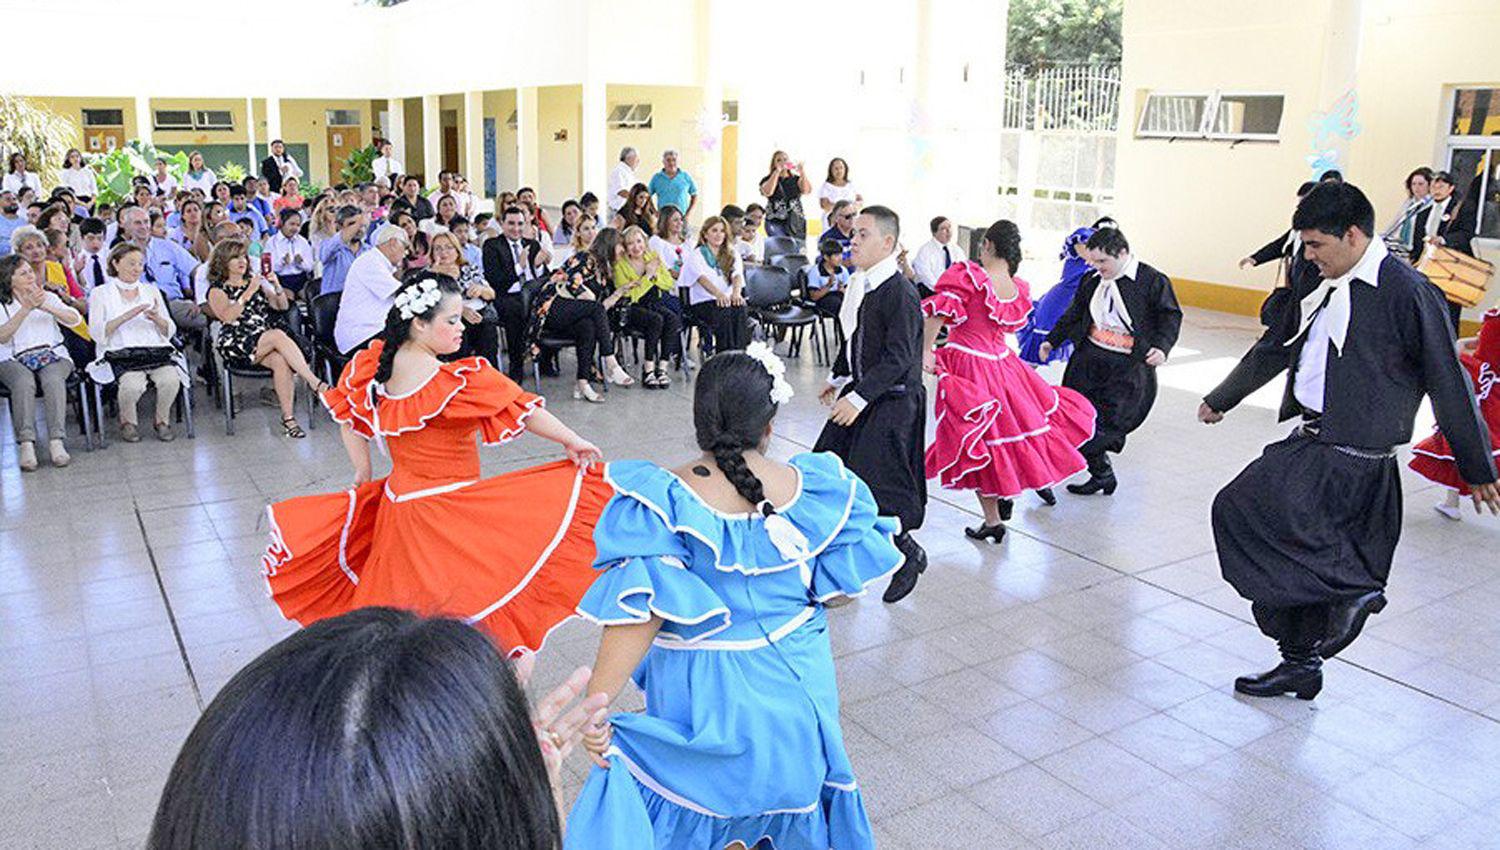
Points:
[[834, 194], [38, 330], [81, 180], [673, 255], [204, 181], [694, 268], [108, 302]]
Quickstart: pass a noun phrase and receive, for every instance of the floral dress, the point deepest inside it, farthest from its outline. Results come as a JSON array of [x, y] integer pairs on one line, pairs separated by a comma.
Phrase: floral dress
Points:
[[579, 274], [238, 339]]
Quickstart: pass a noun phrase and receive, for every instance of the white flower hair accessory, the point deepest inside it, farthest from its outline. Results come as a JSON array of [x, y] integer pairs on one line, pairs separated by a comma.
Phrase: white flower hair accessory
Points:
[[416, 300], [781, 390]]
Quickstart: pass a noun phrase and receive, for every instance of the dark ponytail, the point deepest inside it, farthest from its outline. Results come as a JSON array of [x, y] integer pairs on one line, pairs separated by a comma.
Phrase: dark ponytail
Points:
[[398, 329], [731, 408]]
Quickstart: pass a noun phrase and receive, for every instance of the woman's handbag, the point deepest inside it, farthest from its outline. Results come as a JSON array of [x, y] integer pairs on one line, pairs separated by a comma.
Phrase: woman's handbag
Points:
[[139, 358]]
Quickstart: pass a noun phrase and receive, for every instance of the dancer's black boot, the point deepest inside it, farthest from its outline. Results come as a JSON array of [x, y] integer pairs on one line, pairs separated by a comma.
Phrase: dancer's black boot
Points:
[[1101, 477], [1300, 672], [905, 579], [1347, 618]]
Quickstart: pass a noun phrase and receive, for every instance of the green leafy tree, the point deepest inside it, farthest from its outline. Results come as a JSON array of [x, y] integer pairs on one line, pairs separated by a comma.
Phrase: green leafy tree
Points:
[[36, 131], [231, 172], [360, 166], [1059, 32], [135, 158]]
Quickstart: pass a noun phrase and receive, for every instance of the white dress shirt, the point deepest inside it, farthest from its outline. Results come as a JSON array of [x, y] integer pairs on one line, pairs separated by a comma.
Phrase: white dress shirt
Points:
[[290, 256], [204, 182], [15, 182], [369, 292], [1325, 319], [89, 278], [81, 180], [861, 283], [288, 166], [695, 267], [929, 263], [386, 166], [621, 178]]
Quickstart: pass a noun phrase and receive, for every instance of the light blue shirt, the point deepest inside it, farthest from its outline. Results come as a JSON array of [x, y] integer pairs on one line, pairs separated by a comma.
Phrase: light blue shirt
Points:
[[816, 279], [249, 212], [673, 190], [7, 227], [473, 257], [336, 258], [170, 267]]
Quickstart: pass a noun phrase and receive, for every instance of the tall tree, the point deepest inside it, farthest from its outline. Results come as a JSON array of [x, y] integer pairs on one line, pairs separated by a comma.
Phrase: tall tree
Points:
[[33, 129], [1053, 32]]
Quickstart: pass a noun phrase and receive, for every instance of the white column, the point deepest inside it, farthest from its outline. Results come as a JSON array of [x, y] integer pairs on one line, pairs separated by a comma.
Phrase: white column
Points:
[[273, 119], [252, 165], [474, 140], [395, 108], [596, 159], [1339, 73], [143, 118], [708, 141], [528, 143], [432, 139]]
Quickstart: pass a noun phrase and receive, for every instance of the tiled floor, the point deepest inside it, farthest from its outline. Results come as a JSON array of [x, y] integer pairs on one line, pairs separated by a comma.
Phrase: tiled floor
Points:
[[1067, 688]]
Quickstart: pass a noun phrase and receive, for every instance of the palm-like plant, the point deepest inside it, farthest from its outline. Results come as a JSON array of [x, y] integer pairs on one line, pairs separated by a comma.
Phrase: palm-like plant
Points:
[[36, 131]]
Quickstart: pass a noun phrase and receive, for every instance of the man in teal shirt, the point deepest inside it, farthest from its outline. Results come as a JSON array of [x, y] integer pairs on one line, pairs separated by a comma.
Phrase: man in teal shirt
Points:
[[672, 186]]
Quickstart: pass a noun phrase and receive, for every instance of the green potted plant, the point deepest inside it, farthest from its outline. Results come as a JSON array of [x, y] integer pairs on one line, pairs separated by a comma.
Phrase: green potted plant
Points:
[[360, 166]]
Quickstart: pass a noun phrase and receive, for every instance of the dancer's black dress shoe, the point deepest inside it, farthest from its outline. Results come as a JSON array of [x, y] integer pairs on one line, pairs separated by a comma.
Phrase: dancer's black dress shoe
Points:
[[905, 579], [986, 532], [1007, 507], [1301, 676], [1347, 619], [1096, 483], [1048, 497]]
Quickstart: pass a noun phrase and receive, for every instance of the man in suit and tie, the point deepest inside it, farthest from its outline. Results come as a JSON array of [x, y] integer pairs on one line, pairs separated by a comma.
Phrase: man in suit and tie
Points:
[[1449, 222], [511, 262], [877, 424], [279, 166], [1307, 532]]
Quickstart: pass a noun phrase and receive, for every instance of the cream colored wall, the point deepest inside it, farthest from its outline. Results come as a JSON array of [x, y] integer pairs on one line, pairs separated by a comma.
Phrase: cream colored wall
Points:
[[1194, 208], [70, 110], [415, 146], [306, 121], [674, 123], [558, 108]]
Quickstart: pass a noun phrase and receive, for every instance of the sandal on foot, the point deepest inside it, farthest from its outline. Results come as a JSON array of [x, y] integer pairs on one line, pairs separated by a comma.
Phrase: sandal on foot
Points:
[[292, 429]]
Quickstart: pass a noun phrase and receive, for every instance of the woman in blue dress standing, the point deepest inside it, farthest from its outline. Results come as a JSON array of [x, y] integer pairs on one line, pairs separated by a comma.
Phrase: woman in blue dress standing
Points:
[[715, 576]]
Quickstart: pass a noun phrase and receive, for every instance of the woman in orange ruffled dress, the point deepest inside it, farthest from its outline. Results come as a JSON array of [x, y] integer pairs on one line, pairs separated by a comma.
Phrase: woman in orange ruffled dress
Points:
[[512, 554]]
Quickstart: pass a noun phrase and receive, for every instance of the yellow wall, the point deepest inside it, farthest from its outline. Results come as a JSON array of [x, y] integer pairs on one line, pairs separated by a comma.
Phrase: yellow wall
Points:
[[499, 105], [1194, 208], [558, 108], [70, 109], [306, 121], [674, 122], [412, 158]]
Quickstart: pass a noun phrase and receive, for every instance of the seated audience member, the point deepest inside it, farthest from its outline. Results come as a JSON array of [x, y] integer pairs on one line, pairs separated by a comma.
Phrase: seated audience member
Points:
[[417, 252], [412, 733], [411, 192], [574, 303], [447, 210], [290, 197], [262, 197], [841, 230], [31, 245], [370, 290], [338, 254], [465, 196], [756, 215], [637, 211], [744, 243], [291, 253], [89, 260], [11, 218], [715, 277], [244, 301], [527, 195], [732, 216], [215, 214], [645, 280], [465, 233], [485, 227], [563, 235], [192, 230], [670, 243], [33, 353], [513, 262], [225, 231], [936, 255], [59, 217], [322, 224], [827, 278], [158, 225], [133, 329], [240, 209], [481, 322], [590, 204]]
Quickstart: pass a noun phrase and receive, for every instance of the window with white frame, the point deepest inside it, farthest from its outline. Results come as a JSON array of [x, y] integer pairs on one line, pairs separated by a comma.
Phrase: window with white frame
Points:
[[213, 119], [630, 116], [1215, 115], [172, 119], [1473, 152]]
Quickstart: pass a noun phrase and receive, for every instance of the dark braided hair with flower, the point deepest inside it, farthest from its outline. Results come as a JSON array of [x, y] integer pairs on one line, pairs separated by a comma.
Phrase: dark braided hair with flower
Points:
[[731, 408], [398, 329]]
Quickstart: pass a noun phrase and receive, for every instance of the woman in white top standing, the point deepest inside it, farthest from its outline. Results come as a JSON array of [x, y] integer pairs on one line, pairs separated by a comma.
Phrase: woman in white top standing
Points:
[[715, 278], [132, 329], [836, 187], [32, 352], [18, 178], [78, 177], [199, 176], [163, 184]]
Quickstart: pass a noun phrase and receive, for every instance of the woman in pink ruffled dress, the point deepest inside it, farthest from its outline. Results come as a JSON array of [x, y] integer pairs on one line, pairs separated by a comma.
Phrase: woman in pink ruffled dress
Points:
[[1001, 428]]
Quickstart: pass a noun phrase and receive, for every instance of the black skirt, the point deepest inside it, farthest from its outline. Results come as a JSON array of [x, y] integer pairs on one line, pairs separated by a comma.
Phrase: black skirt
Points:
[[1308, 523], [1121, 388], [884, 448]]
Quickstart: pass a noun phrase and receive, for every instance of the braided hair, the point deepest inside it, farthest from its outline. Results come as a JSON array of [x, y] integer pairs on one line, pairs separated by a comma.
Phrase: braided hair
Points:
[[731, 408], [398, 329]]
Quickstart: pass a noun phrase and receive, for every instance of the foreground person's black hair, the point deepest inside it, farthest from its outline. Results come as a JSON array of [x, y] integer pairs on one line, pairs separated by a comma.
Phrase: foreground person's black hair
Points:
[[376, 729]]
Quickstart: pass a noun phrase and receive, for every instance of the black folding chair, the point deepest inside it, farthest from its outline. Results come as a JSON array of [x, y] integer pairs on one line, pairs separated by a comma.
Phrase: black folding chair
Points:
[[768, 294]]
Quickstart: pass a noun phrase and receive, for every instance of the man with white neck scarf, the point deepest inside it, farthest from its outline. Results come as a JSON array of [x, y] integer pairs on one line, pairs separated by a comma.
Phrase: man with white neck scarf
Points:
[[1123, 321], [1307, 532]]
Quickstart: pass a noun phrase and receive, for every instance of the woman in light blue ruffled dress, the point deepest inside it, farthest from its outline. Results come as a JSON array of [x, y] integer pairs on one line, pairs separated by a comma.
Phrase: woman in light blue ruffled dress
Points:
[[714, 579]]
